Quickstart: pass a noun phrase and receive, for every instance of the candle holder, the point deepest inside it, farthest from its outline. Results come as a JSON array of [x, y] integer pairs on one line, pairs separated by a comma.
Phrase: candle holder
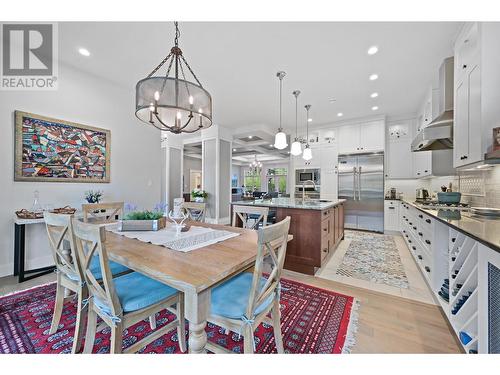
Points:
[[178, 221]]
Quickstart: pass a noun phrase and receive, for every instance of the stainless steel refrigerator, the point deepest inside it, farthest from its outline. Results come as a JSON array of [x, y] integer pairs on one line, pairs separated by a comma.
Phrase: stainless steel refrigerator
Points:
[[361, 184]]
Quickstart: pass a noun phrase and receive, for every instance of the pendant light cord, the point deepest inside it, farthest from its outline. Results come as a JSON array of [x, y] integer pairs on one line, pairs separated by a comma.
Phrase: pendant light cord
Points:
[[281, 89]]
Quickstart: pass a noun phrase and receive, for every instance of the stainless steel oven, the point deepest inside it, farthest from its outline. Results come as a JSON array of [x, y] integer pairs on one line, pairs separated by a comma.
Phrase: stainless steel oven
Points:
[[303, 175]]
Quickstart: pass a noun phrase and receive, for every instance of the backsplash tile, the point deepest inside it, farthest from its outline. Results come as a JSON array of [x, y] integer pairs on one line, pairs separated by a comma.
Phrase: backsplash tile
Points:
[[491, 198]]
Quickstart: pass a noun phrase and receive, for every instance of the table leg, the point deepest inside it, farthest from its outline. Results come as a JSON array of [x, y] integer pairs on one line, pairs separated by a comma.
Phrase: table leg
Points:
[[197, 309], [19, 250]]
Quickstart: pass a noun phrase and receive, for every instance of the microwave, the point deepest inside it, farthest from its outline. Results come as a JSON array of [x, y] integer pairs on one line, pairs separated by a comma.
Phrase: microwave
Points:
[[303, 175]]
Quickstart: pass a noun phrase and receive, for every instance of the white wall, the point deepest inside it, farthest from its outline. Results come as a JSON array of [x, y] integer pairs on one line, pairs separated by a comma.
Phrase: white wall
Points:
[[81, 98], [189, 163]]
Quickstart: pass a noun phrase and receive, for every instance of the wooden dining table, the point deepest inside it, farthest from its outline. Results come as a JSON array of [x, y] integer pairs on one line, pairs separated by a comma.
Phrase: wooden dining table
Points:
[[194, 273]]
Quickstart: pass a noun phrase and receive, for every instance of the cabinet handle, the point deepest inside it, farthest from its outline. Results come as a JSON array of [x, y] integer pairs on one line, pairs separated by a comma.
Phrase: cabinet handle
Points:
[[427, 269], [414, 228], [427, 242], [409, 241], [392, 208], [426, 171], [428, 221], [464, 66], [420, 234], [421, 216], [324, 229], [414, 248], [453, 239], [420, 257], [325, 250], [418, 173]]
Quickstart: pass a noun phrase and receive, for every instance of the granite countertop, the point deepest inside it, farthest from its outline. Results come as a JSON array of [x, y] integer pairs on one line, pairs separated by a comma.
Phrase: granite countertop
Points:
[[320, 204], [482, 228]]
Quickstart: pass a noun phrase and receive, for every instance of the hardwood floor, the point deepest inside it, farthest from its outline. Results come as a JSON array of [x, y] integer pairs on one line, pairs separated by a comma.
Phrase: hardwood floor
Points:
[[387, 324], [390, 324]]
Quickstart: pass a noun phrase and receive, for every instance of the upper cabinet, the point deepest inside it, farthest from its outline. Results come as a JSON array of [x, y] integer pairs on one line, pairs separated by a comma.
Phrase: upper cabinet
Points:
[[477, 91], [364, 137], [398, 155]]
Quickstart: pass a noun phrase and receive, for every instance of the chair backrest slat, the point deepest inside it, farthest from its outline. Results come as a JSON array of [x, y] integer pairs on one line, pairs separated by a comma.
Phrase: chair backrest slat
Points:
[[195, 210], [112, 211], [244, 214], [277, 234], [91, 241], [60, 229]]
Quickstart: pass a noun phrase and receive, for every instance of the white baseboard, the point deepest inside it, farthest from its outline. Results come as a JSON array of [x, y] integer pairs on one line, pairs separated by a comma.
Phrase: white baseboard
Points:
[[8, 269]]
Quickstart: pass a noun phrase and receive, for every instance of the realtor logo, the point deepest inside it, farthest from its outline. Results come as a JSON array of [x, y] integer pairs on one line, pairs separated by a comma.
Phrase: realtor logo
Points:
[[29, 57]]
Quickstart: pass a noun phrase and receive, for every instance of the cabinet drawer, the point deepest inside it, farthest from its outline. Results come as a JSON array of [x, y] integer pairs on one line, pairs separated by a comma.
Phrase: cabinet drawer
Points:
[[326, 214], [325, 227]]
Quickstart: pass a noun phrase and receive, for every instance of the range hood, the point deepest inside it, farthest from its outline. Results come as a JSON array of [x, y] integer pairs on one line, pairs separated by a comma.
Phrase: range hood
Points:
[[438, 135]]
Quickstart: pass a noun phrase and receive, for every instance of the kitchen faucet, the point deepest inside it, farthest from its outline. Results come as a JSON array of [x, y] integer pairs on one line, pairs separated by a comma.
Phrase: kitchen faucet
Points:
[[304, 188]]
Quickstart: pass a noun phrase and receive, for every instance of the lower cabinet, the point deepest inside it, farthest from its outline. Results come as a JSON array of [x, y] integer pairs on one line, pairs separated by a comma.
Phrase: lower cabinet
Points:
[[316, 235], [391, 215], [463, 274]]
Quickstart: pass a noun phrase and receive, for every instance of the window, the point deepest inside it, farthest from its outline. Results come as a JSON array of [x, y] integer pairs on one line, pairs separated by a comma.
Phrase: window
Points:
[[234, 180], [252, 180], [276, 180]]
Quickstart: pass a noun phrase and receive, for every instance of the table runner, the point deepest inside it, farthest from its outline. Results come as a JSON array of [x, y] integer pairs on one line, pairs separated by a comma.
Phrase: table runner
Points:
[[193, 239]]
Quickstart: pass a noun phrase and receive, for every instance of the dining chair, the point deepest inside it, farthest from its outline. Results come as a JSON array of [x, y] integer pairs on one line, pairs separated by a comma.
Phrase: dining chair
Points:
[[250, 216], [195, 210], [125, 300], [243, 302], [69, 272], [103, 212]]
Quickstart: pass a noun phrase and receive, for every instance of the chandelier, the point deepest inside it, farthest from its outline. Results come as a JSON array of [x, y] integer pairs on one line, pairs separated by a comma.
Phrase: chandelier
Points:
[[280, 137], [172, 103], [255, 166]]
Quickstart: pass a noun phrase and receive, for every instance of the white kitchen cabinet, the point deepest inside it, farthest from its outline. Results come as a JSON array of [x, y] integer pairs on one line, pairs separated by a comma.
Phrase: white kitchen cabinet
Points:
[[422, 164], [329, 171], [391, 215], [364, 137], [398, 156], [348, 139], [477, 91]]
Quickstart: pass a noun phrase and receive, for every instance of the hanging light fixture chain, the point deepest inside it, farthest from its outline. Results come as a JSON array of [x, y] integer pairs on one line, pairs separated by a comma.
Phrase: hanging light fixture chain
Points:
[[191, 70], [159, 65], [177, 34]]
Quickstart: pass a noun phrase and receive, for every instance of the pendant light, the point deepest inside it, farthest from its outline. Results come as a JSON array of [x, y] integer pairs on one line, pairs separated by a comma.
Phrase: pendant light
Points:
[[280, 137], [307, 155], [173, 104], [296, 148]]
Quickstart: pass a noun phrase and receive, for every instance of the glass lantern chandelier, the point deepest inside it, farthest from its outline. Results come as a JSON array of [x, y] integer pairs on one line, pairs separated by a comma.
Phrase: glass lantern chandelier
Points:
[[172, 103], [280, 137], [296, 148], [307, 155]]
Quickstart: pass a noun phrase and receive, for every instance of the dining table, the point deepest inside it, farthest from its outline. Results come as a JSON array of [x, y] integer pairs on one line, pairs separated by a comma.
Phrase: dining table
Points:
[[194, 273]]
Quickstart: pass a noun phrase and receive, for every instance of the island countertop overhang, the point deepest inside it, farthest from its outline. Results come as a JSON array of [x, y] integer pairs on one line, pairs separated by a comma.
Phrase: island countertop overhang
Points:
[[318, 205]]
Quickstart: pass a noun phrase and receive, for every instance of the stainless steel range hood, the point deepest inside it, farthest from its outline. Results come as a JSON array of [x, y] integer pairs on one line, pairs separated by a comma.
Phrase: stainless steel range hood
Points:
[[438, 135]]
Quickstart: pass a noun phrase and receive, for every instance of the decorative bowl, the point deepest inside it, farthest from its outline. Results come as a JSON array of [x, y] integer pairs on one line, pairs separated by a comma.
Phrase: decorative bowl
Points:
[[449, 198]]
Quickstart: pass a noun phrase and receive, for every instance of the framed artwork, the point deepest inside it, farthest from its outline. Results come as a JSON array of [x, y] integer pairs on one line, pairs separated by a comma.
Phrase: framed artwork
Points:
[[51, 150]]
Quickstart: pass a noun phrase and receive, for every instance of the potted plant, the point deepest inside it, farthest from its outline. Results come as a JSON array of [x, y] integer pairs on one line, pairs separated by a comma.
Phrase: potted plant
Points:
[[199, 195], [144, 220]]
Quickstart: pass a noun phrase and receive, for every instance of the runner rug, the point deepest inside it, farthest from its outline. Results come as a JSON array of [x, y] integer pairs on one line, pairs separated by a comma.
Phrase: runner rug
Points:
[[313, 321]]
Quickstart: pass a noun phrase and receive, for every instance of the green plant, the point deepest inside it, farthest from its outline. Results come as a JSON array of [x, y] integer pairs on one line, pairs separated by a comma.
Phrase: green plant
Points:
[[93, 196], [144, 215], [198, 193]]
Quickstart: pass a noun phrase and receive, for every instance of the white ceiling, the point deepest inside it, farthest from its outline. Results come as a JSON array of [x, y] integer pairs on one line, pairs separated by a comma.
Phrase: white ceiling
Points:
[[237, 63]]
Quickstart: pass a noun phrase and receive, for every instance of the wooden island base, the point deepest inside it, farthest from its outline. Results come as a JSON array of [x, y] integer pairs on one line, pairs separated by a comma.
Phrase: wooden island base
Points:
[[316, 234]]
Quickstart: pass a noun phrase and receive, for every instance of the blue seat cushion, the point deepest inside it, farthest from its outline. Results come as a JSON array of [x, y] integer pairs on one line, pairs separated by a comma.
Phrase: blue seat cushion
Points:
[[230, 299], [95, 268], [114, 267], [136, 291]]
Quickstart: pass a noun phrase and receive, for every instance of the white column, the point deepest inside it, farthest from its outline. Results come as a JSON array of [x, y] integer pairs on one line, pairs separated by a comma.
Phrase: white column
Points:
[[216, 165], [172, 160]]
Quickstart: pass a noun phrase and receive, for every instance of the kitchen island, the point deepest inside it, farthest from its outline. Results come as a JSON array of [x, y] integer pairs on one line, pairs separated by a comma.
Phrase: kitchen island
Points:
[[317, 227]]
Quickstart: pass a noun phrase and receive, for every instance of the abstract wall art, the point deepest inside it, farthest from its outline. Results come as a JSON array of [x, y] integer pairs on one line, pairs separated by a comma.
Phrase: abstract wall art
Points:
[[53, 150]]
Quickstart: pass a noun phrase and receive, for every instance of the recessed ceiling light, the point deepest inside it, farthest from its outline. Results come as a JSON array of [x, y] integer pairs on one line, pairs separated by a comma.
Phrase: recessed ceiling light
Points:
[[271, 145], [250, 136], [374, 95], [340, 114], [234, 149], [332, 100], [373, 77], [374, 108], [309, 120], [372, 50], [84, 52]]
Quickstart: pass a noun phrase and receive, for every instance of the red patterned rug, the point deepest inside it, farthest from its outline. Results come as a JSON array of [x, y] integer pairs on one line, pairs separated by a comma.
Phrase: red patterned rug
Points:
[[313, 321]]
